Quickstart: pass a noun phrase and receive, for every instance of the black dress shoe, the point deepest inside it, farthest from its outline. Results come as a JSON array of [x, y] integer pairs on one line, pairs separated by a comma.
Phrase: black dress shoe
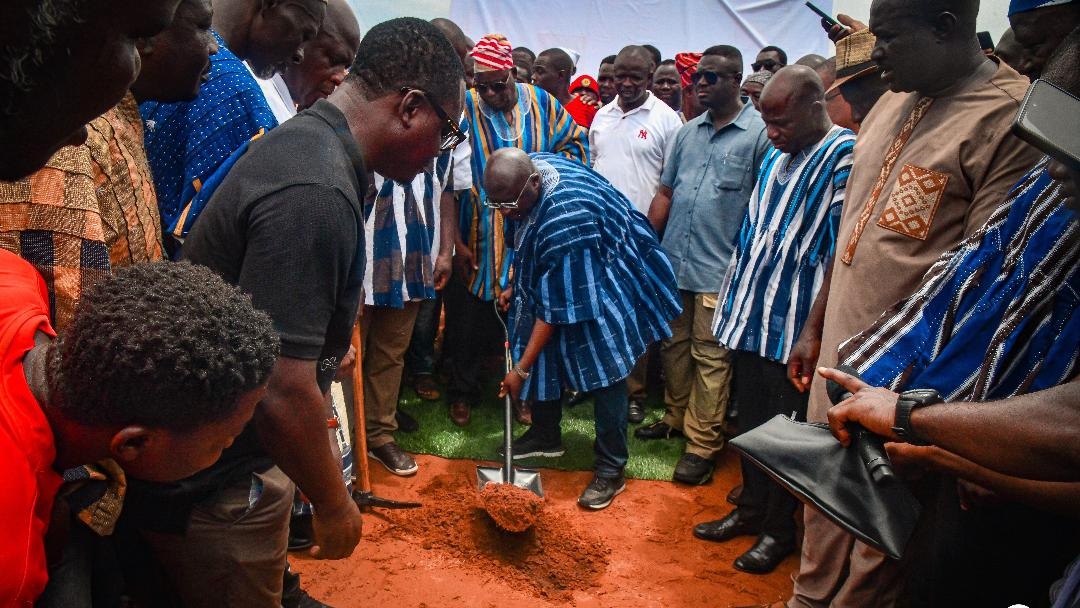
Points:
[[635, 412], [765, 555], [301, 535], [657, 430], [734, 494], [729, 527]]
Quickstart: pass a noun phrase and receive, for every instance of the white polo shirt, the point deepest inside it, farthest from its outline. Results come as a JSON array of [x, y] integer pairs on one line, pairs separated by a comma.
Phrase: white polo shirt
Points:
[[629, 148]]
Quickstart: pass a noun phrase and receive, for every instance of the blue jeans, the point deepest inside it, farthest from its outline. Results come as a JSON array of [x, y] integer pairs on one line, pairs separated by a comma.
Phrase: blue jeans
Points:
[[610, 446]]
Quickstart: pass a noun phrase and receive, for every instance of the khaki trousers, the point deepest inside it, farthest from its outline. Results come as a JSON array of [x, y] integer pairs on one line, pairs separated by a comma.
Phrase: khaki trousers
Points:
[[386, 333], [235, 548], [836, 570], [698, 375]]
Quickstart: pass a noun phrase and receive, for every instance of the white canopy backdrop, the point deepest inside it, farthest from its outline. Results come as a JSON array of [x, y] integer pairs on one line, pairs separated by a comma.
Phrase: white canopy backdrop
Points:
[[596, 28]]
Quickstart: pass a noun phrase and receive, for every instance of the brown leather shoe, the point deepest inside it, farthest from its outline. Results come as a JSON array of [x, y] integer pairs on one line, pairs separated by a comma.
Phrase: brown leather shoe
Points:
[[523, 412], [460, 413]]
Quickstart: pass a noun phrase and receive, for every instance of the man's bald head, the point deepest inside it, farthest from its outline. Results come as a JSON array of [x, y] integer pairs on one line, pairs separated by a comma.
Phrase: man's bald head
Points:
[[966, 11], [511, 179], [461, 43], [635, 52], [926, 46], [797, 83], [793, 108], [811, 61], [340, 22], [327, 58], [506, 171]]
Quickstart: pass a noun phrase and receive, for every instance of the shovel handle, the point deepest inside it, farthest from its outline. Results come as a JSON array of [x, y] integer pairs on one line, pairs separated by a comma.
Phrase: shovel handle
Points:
[[360, 422]]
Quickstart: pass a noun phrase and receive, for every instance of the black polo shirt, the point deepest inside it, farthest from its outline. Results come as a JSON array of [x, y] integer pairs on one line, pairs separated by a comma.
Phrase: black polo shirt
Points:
[[286, 227]]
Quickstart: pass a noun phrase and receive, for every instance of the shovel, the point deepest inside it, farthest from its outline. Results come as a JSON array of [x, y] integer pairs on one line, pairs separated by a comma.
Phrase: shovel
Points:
[[528, 479], [362, 496]]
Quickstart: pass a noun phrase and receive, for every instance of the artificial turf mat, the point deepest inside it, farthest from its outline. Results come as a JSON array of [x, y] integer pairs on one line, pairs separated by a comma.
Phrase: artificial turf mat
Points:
[[478, 441]]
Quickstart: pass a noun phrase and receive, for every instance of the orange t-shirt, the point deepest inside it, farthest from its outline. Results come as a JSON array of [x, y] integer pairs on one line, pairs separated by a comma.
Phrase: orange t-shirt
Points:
[[28, 483]]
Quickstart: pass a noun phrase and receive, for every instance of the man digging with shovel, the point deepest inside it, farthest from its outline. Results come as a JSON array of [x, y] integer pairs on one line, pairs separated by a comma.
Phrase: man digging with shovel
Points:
[[592, 289]]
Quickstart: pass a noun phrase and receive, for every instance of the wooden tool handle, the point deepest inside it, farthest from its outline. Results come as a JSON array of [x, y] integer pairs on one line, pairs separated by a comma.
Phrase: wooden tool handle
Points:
[[358, 411]]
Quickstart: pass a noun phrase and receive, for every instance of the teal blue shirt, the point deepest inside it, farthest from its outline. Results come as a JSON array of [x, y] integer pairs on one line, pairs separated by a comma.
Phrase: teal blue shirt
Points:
[[711, 174]]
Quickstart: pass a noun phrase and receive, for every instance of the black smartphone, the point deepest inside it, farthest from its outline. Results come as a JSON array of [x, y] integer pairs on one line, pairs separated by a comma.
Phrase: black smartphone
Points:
[[1047, 120], [986, 43], [824, 16]]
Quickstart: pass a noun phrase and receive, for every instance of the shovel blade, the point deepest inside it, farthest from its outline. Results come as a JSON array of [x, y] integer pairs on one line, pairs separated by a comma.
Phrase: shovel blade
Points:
[[367, 499], [528, 479]]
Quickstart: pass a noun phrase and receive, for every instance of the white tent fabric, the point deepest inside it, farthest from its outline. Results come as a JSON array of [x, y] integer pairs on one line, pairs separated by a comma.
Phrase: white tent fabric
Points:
[[599, 28]]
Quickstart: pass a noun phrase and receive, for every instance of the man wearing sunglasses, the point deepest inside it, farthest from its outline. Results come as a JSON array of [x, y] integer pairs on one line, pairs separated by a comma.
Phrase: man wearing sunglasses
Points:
[[499, 113], [589, 277], [286, 226], [770, 59], [704, 191]]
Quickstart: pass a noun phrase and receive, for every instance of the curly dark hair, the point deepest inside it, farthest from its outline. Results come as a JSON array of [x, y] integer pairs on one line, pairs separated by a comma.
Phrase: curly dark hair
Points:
[[164, 345], [408, 52]]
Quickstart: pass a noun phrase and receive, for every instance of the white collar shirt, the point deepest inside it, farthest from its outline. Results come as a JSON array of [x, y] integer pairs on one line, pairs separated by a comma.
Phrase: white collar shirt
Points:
[[630, 148]]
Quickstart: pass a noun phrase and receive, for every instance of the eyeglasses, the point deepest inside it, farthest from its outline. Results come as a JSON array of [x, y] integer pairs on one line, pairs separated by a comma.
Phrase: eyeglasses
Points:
[[712, 77], [495, 87], [768, 64], [509, 204], [451, 133]]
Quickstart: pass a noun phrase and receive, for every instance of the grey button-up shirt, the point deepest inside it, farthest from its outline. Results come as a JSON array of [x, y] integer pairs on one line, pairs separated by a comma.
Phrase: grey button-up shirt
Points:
[[711, 174]]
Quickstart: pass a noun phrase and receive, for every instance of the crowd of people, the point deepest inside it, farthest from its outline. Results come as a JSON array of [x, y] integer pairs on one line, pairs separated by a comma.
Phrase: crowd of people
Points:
[[204, 197]]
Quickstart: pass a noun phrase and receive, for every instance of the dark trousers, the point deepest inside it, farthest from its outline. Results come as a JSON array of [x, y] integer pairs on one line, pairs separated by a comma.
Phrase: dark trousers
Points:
[[763, 391], [420, 358], [472, 333], [989, 555], [610, 447]]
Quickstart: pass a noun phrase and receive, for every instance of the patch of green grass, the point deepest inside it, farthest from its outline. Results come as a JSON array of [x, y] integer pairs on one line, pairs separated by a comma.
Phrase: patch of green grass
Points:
[[478, 441]]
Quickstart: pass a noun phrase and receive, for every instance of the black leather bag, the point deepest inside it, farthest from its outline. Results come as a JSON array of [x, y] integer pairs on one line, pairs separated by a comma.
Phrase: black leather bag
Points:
[[809, 462]]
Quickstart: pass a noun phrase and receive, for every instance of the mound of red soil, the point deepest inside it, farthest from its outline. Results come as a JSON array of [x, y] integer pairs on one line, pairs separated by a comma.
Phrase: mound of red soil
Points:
[[552, 559], [514, 509]]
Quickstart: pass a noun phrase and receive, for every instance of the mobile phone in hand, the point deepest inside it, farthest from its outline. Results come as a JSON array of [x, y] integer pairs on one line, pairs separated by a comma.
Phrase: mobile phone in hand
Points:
[[826, 17]]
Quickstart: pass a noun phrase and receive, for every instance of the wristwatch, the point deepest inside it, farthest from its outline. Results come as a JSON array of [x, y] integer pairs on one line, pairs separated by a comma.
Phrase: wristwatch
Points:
[[908, 402], [524, 375]]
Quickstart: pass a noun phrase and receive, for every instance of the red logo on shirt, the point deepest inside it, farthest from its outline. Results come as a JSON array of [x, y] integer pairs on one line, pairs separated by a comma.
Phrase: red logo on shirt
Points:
[[643, 134]]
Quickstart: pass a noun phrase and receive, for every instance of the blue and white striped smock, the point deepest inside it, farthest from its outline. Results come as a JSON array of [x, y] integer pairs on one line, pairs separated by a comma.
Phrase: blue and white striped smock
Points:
[[784, 246], [589, 263]]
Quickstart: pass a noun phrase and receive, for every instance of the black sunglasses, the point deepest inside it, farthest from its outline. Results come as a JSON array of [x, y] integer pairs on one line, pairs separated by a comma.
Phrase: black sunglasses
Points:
[[496, 87], [452, 135], [768, 64], [711, 77]]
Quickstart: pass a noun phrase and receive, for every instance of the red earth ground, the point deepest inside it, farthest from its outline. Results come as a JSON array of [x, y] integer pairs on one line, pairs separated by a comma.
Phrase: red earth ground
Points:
[[639, 552]]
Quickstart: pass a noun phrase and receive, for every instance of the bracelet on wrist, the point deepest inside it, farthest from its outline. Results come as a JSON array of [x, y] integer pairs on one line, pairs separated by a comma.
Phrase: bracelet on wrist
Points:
[[524, 375]]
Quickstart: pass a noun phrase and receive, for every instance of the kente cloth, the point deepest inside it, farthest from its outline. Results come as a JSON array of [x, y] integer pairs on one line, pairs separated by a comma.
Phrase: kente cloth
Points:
[[539, 124], [590, 264], [492, 54], [187, 142], [784, 247], [92, 208], [1023, 6], [95, 493], [402, 226], [995, 316]]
